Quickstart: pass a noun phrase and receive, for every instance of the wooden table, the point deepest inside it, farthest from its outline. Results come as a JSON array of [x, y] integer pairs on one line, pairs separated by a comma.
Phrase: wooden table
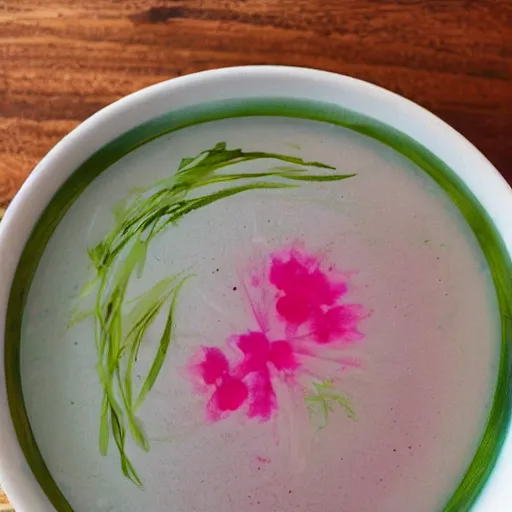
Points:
[[62, 60]]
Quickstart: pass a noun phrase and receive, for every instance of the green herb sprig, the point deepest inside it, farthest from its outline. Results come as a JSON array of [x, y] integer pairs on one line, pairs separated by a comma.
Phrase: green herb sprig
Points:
[[322, 401]]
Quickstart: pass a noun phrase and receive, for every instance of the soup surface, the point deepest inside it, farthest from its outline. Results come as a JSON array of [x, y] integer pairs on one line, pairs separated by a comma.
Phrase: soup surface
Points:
[[316, 346]]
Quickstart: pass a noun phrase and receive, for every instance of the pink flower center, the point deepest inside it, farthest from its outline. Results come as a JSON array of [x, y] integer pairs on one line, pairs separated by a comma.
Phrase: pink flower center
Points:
[[259, 352]]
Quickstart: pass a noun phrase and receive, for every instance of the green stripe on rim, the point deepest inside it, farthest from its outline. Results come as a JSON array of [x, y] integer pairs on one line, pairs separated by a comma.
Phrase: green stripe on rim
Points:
[[490, 242]]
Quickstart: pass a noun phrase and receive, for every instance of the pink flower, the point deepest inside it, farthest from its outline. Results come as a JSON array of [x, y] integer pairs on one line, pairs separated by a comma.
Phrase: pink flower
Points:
[[303, 288], [307, 295], [248, 382], [310, 314]]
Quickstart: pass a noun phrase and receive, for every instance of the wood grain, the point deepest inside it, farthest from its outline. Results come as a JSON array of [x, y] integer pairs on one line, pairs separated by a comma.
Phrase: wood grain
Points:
[[62, 60]]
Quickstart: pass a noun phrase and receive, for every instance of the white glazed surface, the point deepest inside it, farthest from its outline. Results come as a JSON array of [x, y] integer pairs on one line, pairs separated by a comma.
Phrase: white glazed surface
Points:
[[479, 175]]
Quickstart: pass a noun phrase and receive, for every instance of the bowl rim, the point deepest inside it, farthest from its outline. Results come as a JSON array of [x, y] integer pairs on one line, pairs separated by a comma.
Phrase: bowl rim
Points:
[[477, 173]]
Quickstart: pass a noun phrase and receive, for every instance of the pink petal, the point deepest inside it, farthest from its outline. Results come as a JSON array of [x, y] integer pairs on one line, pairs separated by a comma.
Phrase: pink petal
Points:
[[295, 309], [255, 347], [262, 398], [214, 366], [282, 356], [230, 394], [337, 324]]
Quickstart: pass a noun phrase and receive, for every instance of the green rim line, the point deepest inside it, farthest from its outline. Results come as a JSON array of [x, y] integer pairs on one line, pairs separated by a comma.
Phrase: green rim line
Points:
[[492, 246]]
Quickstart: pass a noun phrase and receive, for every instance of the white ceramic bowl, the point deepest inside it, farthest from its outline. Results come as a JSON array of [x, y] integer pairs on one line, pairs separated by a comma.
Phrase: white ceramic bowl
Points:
[[482, 179]]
